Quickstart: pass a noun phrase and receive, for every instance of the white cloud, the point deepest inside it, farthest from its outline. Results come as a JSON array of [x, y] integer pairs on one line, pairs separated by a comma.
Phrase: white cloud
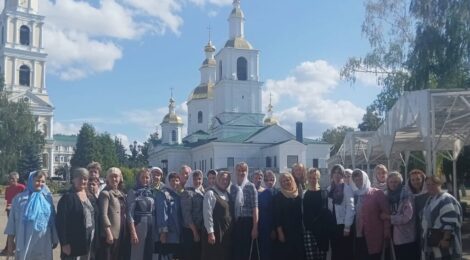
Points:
[[82, 38], [307, 87], [124, 140], [66, 128], [367, 79]]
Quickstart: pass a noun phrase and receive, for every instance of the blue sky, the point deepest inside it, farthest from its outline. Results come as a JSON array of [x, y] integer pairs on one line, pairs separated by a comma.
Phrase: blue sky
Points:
[[112, 62]]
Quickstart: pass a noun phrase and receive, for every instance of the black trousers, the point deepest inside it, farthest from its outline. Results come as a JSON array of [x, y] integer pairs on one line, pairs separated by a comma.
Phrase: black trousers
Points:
[[190, 250], [341, 247], [362, 252], [406, 251], [242, 242]]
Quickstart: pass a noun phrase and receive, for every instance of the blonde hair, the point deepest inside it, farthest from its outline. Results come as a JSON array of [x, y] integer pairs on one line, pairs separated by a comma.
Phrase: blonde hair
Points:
[[395, 174], [317, 173], [114, 170], [94, 166], [301, 167], [380, 167]]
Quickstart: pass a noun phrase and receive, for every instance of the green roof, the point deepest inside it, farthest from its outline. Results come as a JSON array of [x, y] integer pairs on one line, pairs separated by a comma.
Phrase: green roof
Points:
[[65, 138]]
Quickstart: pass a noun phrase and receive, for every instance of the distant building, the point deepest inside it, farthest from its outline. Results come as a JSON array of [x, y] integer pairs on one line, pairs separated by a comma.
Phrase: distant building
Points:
[[64, 148], [225, 120], [23, 67]]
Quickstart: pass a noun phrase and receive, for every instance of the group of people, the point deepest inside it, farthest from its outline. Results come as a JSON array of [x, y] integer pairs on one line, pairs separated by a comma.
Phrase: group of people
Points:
[[216, 216]]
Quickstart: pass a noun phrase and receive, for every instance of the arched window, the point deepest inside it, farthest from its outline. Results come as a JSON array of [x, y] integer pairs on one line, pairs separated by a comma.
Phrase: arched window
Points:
[[199, 117], [25, 78], [220, 70], [173, 135], [24, 35], [242, 68]]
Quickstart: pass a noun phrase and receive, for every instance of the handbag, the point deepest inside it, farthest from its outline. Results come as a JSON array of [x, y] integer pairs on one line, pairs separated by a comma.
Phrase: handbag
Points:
[[434, 236]]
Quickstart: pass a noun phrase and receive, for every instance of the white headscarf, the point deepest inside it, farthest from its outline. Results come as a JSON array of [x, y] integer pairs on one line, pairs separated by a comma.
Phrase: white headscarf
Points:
[[365, 183], [239, 199]]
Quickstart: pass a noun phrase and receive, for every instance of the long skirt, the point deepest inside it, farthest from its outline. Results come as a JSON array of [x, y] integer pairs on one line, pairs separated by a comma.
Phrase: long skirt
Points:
[[341, 247], [144, 249], [190, 250], [243, 245], [218, 251], [312, 247]]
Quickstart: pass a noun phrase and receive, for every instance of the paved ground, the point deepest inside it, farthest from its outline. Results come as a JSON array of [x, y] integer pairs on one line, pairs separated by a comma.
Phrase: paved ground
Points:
[[465, 229]]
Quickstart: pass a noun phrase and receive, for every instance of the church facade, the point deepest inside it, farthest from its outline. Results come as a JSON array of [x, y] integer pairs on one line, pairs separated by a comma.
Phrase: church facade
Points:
[[226, 124], [23, 66]]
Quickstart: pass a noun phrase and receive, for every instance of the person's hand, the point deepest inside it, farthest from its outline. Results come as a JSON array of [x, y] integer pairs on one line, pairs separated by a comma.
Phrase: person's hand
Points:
[[163, 237], [346, 233], [444, 244], [196, 236], [134, 238], [66, 249], [387, 234], [385, 216], [109, 239], [211, 238], [254, 233]]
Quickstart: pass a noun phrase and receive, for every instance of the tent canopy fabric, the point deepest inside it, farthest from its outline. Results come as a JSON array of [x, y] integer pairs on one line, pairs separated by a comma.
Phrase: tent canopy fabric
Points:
[[431, 121]]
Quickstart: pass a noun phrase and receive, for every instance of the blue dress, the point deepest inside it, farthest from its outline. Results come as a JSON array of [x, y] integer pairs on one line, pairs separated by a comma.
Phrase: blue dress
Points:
[[266, 223], [168, 219], [30, 243]]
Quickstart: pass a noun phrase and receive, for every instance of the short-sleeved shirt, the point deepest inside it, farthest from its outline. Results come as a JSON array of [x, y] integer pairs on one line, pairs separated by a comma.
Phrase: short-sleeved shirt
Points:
[[12, 191]]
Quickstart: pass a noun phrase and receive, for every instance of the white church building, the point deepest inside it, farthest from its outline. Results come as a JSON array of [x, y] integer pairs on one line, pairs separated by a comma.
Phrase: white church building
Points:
[[23, 66], [226, 124]]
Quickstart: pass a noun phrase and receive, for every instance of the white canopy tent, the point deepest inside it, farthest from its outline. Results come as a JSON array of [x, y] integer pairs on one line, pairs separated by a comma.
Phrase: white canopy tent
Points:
[[431, 121]]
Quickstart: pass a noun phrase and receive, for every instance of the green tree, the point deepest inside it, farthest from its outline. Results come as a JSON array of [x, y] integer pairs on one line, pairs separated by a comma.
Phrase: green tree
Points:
[[86, 149], [335, 136], [31, 151], [18, 135], [120, 152], [106, 151]]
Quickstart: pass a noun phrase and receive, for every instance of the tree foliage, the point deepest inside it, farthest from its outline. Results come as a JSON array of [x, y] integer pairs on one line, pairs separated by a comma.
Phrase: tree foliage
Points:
[[414, 44], [335, 136], [86, 148], [19, 140]]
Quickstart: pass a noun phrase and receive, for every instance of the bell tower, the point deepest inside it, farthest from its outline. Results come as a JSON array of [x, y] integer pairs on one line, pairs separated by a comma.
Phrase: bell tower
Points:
[[23, 66]]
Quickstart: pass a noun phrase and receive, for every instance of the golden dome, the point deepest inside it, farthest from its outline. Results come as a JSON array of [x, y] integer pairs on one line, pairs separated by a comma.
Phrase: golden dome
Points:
[[271, 121], [203, 91], [172, 119], [238, 43]]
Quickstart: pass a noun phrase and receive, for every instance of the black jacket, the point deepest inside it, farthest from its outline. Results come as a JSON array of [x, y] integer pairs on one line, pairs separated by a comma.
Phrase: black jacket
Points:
[[70, 223]]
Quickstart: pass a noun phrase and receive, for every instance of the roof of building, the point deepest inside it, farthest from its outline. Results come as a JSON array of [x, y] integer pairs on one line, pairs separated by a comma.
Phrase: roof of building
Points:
[[172, 119], [65, 138], [238, 43], [203, 91]]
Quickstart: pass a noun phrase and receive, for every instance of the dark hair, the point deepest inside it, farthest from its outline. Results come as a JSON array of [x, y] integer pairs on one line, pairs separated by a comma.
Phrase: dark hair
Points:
[[212, 172], [173, 175], [197, 173], [93, 179], [356, 172], [337, 167]]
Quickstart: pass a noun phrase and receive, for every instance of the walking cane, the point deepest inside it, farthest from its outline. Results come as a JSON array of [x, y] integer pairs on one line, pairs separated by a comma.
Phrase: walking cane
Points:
[[257, 248]]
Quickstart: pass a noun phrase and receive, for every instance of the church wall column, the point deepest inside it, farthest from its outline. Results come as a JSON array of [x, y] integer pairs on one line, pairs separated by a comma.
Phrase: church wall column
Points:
[[15, 31], [33, 76], [40, 35], [43, 78], [14, 73]]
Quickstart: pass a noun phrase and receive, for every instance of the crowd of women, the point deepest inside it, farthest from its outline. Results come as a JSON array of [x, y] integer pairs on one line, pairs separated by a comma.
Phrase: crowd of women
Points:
[[192, 215]]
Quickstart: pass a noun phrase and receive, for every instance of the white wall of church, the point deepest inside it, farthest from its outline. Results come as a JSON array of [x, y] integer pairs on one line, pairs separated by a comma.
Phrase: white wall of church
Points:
[[320, 152], [206, 106]]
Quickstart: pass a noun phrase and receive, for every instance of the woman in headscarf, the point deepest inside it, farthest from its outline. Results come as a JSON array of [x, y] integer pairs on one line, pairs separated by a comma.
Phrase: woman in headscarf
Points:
[[318, 220], [288, 219], [266, 227], [211, 178], [300, 175], [191, 207], [245, 225], [341, 205], [371, 231], [77, 215], [401, 218], [441, 224], [168, 218], [380, 177], [417, 187], [216, 238], [113, 214], [140, 206], [31, 223]]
